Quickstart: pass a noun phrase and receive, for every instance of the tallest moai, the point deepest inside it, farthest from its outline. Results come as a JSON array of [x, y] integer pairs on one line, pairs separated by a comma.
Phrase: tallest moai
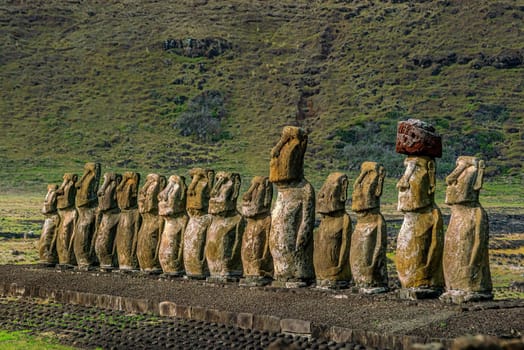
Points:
[[421, 238]]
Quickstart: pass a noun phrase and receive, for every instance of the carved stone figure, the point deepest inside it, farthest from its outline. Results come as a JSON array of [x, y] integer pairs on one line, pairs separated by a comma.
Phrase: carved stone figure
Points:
[[197, 203], [129, 221], [293, 217], [172, 208], [65, 203], [333, 237], [104, 240], [224, 235], [148, 238], [47, 242], [421, 238], [256, 208], [368, 242], [466, 258], [86, 203]]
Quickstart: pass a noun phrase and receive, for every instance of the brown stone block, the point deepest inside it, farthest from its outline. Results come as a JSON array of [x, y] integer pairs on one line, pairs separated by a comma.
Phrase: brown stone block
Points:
[[182, 311], [341, 334], [266, 323], [212, 315], [198, 313], [417, 138], [136, 306], [167, 308], [227, 318], [245, 320], [291, 325]]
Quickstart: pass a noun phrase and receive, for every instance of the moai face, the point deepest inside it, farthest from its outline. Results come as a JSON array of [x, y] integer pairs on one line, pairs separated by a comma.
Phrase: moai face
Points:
[[87, 186], [287, 157], [50, 200], [172, 200], [66, 193], [224, 193], [257, 199], [367, 188], [199, 190], [127, 190], [107, 192], [417, 185], [465, 181], [333, 194], [148, 194]]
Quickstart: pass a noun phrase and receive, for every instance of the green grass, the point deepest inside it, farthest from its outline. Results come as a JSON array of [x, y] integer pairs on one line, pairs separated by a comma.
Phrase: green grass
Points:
[[22, 340]]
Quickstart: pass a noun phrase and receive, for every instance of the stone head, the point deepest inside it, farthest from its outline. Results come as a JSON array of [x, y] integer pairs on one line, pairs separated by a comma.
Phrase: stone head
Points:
[[199, 189], [225, 192], [66, 193], [465, 181], [287, 157], [127, 191], [172, 200], [107, 192], [367, 188], [87, 186], [416, 188], [148, 194], [333, 194], [50, 200], [257, 199]]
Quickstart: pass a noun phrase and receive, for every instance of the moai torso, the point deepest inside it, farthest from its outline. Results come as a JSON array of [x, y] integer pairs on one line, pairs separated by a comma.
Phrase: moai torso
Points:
[[291, 240], [172, 208], [65, 203], [368, 242], [256, 207], [47, 242], [86, 203], [128, 222], [197, 203], [224, 235], [466, 259], [333, 237], [149, 234], [104, 241]]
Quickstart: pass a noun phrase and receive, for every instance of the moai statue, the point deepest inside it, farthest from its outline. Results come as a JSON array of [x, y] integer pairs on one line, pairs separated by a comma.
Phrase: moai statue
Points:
[[148, 238], [172, 208], [369, 240], [256, 208], [104, 240], [86, 203], [224, 235], [421, 238], [293, 217], [47, 242], [466, 259], [65, 203], [128, 222], [197, 203], [333, 238]]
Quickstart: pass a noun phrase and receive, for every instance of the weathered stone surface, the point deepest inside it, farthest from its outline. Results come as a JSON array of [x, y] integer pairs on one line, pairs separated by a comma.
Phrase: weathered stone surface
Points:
[[477, 342], [333, 237], [172, 208], [291, 325], [421, 239], [256, 205], [149, 233], [129, 221], [47, 243], [291, 240], [266, 323], [104, 240], [466, 258], [369, 240], [417, 138], [244, 320], [86, 202], [197, 203], [224, 235], [65, 203]]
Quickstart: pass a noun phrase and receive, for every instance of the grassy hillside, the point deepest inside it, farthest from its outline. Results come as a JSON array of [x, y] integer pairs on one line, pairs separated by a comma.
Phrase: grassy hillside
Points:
[[94, 81]]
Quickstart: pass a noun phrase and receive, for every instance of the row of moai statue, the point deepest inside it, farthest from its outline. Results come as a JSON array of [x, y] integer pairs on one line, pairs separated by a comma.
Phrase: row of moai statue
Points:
[[197, 232]]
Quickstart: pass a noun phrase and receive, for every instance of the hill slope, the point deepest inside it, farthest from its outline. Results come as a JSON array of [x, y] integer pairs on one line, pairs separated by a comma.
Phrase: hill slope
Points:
[[97, 81]]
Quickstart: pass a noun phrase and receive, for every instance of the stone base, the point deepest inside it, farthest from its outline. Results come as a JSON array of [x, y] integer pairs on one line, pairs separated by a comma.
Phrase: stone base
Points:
[[372, 290], [289, 284], [85, 268], [461, 296], [329, 284], [419, 293], [222, 279], [170, 275], [151, 272], [45, 264], [64, 267], [126, 270], [195, 277], [254, 281], [106, 268]]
